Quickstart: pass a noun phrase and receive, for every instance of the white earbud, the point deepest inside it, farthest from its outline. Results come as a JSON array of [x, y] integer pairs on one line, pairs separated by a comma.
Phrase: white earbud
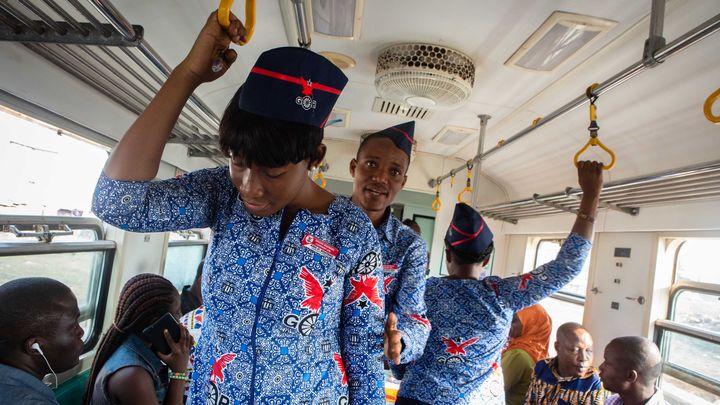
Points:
[[36, 346]]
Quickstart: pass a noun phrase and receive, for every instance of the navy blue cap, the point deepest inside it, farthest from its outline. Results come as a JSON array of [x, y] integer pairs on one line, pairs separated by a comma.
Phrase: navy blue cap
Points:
[[468, 231], [292, 84], [401, 135]]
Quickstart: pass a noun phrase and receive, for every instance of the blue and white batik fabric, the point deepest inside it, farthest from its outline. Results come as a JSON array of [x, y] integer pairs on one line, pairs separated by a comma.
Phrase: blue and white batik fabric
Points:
[[297, 320], [404, 264], [471, 320]]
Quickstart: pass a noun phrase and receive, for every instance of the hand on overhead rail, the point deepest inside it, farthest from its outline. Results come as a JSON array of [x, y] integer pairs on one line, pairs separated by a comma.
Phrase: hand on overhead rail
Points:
[[211, 44]]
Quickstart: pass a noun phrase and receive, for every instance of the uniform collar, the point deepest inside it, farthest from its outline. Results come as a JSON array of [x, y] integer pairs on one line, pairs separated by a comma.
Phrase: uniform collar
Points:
[[389, 226]]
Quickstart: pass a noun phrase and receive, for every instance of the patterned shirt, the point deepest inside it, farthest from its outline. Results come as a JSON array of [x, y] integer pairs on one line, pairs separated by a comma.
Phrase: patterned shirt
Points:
[[656, 399], [471, 320], [548, 387], [293, 320], [404, 264]]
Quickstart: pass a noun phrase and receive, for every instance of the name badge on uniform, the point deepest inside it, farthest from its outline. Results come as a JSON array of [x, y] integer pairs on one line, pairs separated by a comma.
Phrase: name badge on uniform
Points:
[[319, 246], [389, 268]]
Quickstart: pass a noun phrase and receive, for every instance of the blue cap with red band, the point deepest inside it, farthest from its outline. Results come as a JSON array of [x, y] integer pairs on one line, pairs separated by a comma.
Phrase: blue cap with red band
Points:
[[292, 84], [468, 231], [401, 135]]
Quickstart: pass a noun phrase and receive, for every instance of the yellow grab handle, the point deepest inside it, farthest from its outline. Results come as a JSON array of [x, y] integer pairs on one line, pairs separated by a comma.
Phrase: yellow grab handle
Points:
[[436, 204], [224, 17], [596, 142], [462, 193], [707, 107], [323, 181]]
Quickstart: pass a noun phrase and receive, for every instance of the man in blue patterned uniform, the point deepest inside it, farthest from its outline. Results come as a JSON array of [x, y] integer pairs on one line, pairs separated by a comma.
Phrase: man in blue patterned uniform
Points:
[[379, 172], [292, 284], [471, 317]]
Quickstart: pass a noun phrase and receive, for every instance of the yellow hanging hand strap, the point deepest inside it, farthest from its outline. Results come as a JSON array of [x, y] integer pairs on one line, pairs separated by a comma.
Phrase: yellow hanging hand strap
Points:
[[707, 107], [436, 204], [593, 128], [467, 188], [224, 17]]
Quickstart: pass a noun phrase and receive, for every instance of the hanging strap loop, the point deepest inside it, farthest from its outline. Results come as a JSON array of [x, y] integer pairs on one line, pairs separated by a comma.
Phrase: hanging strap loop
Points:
[[594, 128], [468, 188], [224, 17], [436, 204], [707, 107], [320, 176]]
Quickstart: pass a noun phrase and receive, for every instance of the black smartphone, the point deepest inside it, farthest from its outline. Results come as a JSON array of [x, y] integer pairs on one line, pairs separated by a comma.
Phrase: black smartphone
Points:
[[154, 333]]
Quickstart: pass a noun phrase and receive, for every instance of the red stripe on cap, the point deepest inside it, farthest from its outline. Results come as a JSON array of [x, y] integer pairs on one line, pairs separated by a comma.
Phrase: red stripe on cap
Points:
[[404, 133], [470, 236], [297, 80]]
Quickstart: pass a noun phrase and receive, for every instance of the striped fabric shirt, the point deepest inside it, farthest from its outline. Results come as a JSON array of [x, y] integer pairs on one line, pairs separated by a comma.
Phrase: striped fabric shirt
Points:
[[656, 399], [548, 387]]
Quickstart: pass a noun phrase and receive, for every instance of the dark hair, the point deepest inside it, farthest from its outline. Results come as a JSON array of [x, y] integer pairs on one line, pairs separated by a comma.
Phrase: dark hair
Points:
[[463, 258], [143, 300], [409, 222], [266, 141], [30, 308]]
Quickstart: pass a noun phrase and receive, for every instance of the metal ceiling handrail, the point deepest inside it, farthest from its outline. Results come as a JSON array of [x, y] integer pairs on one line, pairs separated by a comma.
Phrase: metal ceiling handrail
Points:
[[692, 183], [129, 78], [690, 38]]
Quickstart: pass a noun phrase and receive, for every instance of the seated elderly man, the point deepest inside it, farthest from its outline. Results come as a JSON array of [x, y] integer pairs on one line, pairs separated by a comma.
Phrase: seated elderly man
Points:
[[568, 378], [632, 366], [39, 335]]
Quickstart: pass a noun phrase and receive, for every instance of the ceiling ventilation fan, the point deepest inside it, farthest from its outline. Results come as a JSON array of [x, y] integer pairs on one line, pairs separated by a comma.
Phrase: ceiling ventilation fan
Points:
[[425, 75]]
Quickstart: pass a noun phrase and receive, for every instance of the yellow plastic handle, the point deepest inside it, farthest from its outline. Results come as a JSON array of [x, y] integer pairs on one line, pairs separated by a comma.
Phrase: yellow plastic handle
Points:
[[224, 17], [321, 177], [462, 193], [436, 204], [596, 142], [707, 107]]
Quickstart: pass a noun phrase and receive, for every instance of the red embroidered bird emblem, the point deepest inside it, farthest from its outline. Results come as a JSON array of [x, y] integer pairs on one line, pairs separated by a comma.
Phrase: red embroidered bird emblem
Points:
[[217, 373], [341, 367], [457, 349], [313, 291], [524, 280], [364, 286], [424, 321], [388, 280]]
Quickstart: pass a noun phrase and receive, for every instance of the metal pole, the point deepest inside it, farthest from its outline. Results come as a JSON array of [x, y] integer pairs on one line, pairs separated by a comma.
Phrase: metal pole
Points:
[[655, 40], [476, 169], [693, 36], [302, 25]]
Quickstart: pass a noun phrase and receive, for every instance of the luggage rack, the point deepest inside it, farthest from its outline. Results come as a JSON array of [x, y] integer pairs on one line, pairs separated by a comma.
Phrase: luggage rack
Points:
[[693, 183], [101, 48]]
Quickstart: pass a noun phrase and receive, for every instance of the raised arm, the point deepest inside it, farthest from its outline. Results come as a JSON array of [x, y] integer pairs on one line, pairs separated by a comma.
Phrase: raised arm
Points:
[[527, 289], [590, 180], [137, 155]]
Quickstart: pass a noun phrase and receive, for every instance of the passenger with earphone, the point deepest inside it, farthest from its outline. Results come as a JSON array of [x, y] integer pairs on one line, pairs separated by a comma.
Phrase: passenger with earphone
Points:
[[39, 335]]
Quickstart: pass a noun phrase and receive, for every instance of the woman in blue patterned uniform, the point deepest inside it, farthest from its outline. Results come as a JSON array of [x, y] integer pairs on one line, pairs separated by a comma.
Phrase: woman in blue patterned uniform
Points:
[[379, 172], [292, 284], [471, 317]]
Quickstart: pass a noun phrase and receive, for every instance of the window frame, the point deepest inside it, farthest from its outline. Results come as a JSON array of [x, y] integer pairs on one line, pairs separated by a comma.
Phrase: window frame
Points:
[[201, 241], [560, 295], [99, 285], [669, 324]]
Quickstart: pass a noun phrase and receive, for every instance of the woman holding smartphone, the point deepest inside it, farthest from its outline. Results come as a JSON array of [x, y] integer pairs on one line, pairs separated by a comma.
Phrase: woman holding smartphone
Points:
[[127, 368]]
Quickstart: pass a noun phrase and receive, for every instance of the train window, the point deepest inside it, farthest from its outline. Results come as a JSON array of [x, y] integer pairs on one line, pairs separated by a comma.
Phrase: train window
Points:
[[186, 249], [690, 336], [547, 250], [70, 250]]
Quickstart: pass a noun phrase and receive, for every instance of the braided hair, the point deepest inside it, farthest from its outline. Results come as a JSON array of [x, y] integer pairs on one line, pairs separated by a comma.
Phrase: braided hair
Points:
[[143, 300]]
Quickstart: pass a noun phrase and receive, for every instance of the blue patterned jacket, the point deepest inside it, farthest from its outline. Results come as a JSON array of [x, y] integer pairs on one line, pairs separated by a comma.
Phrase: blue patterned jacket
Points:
[[297, 320], [404, 264], [470, 324]]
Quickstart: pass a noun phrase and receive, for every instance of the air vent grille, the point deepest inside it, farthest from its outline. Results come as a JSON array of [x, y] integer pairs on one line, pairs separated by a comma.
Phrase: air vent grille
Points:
[[394, 108]]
